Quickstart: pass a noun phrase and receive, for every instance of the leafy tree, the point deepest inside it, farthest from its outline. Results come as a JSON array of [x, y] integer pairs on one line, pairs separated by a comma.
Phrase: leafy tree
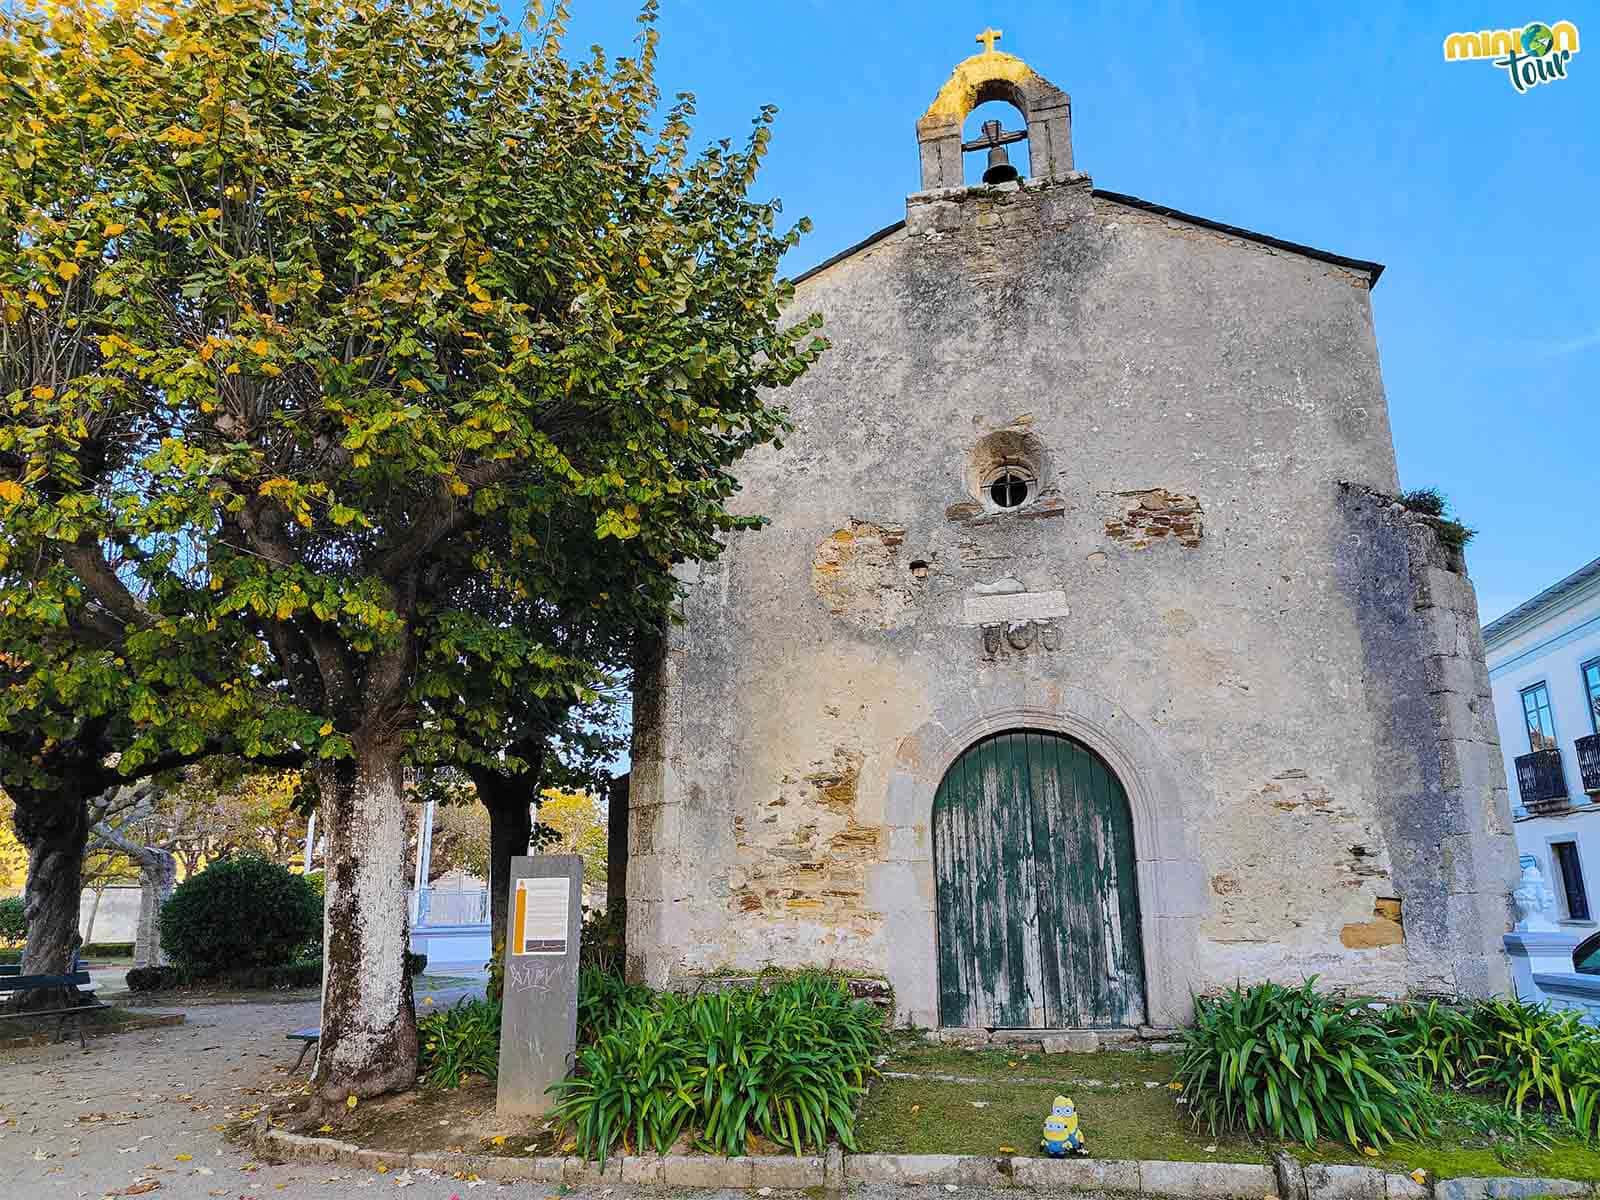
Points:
[[577, 827], [13, 858], [333, 334]]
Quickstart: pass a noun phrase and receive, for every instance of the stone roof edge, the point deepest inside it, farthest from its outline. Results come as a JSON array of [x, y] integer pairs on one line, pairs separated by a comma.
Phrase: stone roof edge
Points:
[[1372, 270], [848, 252]]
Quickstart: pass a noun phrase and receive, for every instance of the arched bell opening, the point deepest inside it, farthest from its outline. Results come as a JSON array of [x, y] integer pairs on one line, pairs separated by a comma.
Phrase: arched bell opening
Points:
[[994, 143]]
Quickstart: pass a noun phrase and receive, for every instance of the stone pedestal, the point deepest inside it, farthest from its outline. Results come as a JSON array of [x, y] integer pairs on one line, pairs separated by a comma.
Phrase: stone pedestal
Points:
[[539, 1025]]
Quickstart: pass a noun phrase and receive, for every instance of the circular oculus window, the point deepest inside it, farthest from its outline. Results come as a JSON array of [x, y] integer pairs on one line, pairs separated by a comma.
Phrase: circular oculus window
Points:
[[1011, 486]]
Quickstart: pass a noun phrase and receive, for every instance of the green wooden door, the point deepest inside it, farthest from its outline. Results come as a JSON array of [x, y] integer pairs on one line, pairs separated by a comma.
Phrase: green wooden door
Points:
[[1038, 907]]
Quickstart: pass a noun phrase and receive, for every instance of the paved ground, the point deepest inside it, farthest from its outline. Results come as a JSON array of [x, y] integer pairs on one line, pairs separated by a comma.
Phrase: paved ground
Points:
[[149, 1106]]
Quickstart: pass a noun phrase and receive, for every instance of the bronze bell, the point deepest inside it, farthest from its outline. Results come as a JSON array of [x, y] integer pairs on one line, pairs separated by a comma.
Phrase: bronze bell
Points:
[[1000, 169]]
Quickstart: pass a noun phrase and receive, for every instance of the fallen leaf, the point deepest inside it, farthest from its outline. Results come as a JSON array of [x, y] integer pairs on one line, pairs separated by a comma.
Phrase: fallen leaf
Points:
[[351, 1101], [183, 1158], [1370, 1151], [1419, 1176], [1008, 1150]]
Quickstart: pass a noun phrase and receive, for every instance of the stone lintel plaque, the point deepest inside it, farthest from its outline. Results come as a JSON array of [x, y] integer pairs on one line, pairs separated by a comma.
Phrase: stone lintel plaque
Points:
[[1015, 606]]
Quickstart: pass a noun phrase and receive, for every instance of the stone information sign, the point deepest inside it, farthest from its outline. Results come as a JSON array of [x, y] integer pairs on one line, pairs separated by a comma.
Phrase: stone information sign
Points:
[[539, 1018]]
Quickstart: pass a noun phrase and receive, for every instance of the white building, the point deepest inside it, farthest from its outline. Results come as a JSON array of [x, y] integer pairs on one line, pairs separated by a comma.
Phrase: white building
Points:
[[1544, 669]]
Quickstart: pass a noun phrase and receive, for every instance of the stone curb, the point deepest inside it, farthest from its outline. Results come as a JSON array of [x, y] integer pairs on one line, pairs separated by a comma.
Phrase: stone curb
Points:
[[1287, 1179], [158, 1021]]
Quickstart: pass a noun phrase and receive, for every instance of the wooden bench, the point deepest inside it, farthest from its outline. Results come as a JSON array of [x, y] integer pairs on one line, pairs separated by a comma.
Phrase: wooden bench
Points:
[[13, 983], [310, 1036]]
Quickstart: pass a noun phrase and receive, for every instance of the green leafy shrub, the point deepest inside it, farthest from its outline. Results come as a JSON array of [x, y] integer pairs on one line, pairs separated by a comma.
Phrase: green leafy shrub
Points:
[[1441, 1042], [1546, 1056], [108, 950], [237, 913], [602, 998], [1297, 1065], [13, 925], [155, 979], [458, 1041], [788, 1062], [1432, 504], [10, 957]]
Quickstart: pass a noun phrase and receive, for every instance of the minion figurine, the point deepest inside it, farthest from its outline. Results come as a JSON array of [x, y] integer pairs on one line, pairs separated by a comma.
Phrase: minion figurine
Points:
[[1061, 1135]]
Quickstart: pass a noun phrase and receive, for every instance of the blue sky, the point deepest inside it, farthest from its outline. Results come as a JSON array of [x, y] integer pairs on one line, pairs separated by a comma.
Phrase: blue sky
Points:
[[1342, 128]]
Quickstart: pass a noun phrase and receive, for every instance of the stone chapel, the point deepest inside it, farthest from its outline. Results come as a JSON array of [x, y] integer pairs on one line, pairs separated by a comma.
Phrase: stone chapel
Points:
[[1086, 663]]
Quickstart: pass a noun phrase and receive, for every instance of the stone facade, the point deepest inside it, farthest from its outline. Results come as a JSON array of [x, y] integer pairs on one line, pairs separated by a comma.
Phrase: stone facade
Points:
[[1205, 586]]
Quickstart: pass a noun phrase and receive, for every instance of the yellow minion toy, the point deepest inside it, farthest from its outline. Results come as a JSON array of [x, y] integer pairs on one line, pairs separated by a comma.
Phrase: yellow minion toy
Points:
[[1061, 1135]]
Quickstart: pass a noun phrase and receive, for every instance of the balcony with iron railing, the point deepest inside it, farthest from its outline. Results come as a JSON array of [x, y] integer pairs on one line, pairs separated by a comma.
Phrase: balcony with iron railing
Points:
[[1541, 781], [1589, 762]]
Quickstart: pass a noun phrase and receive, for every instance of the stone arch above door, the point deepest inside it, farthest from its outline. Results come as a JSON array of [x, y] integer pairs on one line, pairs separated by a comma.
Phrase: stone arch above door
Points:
[[1164, 802]]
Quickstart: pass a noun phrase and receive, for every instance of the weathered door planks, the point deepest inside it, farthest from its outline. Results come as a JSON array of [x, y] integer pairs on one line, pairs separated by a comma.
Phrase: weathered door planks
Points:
[[1038, 916]]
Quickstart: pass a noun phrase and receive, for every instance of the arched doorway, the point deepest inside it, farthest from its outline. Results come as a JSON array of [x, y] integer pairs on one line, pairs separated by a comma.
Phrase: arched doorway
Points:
[[1037, 897]]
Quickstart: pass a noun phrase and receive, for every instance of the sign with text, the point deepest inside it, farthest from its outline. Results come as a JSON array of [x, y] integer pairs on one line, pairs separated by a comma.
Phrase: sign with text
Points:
[[539, 1006], [540, 916]]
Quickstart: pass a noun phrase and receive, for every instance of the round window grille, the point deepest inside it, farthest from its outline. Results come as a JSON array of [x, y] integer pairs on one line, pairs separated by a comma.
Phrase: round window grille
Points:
[[1009, 489]]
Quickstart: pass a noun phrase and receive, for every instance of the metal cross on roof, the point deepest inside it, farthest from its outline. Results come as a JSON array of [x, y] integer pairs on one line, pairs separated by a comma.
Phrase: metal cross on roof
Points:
[[988, 37]]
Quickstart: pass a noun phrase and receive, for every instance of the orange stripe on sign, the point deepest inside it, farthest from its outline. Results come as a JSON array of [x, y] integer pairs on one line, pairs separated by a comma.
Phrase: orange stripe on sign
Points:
[[517, 934]]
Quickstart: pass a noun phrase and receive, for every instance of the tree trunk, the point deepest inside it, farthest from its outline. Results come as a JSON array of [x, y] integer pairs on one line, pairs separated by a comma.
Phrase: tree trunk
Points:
[[54, 829], [369, 1029], [510, 805], [94, 911], [158, 876]]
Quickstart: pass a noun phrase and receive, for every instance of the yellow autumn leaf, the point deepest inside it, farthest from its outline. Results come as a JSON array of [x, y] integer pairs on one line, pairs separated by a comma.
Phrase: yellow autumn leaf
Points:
[[259, 346], [1419, 1176], [1008, 1150], [272, 369], [67, 270], [458, 488], [414, 385], [10, 491], [183, 1158], [1370, 1151], [351, 1101], [327, 728], [499, 1139], [115, 228], [383, 1168], [43, 393]]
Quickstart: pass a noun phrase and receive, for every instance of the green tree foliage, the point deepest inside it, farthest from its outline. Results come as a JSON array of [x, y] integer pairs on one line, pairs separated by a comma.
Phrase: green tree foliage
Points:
[[239, 912], [336, 337], [13, 928]]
